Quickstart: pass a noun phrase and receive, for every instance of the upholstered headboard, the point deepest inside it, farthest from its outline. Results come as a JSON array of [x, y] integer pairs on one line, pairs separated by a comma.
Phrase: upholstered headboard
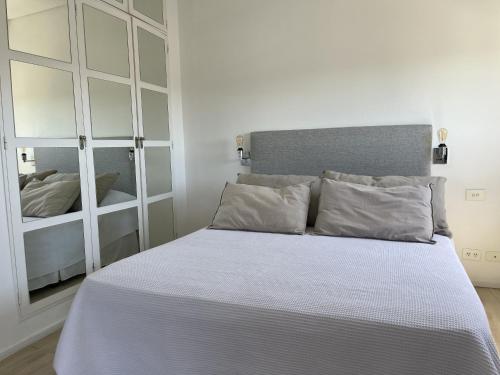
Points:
[[403, 150]]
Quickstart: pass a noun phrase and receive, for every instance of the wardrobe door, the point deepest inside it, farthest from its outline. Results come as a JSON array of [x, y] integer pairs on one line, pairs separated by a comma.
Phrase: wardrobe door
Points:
[[156, 147], [110, 118], [46, 165], [153, 12]]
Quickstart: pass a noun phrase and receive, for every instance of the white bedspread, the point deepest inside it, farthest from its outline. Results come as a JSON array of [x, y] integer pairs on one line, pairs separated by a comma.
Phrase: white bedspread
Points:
[[227, 302]]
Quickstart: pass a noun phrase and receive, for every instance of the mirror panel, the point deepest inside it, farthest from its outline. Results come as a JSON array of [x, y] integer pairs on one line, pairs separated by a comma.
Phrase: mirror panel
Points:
[[49, 181], [118, 235], [110, 110], [106, 42], [115, 175], [158, 170], [155, 115], [39, 28], [152, 58], [43, 100], [150, 8], [161, 222], [55, 259]]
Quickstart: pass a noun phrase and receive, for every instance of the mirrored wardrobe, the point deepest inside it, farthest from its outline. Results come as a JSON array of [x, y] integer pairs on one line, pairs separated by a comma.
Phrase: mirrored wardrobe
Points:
[[87, 138]]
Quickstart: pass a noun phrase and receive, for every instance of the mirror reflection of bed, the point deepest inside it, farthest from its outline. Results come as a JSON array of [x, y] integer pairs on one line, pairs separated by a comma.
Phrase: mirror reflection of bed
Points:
[[49, 182]]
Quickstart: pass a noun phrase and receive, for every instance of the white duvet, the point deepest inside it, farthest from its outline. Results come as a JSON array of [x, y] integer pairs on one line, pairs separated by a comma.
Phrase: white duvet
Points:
[[229, 302]]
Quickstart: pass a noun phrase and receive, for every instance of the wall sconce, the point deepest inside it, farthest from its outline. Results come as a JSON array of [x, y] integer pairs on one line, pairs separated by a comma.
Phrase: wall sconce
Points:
[[24, 156], [441, 152], [243, 155]]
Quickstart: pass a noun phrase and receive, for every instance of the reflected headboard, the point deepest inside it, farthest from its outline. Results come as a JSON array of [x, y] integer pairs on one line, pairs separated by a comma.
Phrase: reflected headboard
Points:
[[403, 150]]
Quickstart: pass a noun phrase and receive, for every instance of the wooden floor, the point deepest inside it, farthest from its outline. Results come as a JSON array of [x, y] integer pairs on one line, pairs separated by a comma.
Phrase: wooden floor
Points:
[[37, 358]]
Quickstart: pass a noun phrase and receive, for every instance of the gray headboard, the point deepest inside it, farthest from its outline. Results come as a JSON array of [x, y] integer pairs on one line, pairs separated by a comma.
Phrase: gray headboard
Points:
[[403, 150]]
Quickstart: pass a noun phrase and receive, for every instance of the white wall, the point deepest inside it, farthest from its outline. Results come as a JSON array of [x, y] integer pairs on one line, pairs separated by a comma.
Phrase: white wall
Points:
[[287, 64]]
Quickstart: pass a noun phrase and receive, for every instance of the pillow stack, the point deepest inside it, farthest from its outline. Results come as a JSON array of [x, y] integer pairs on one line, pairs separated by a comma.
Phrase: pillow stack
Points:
[[393, 208], [48, 193]]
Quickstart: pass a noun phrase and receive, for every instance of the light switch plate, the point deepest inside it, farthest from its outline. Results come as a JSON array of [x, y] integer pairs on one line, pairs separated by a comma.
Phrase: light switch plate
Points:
[[475, 195]]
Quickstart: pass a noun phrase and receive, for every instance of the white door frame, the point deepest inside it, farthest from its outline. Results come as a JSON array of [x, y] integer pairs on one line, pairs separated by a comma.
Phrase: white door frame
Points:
[[19, 227], [153, 143], [86, 73]]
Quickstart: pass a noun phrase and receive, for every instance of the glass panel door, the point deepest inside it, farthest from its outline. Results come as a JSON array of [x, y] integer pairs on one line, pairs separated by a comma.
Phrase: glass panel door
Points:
[[108, 89], [47, 168], [156, 145]]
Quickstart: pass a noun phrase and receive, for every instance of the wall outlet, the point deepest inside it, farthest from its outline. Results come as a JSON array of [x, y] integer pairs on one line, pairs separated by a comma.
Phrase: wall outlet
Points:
[[475, 195], [471, 254], [493, 256]]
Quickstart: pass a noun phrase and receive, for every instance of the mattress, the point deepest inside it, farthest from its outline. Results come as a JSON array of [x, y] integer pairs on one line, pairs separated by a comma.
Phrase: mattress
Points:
[[230, 302]]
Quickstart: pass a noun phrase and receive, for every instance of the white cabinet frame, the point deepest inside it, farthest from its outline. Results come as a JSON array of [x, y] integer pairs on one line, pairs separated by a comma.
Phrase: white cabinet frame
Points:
[[152, 143], [18, 227], [92, 144]]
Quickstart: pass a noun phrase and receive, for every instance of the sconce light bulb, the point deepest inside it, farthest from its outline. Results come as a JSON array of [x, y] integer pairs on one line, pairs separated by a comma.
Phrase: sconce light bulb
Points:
[[239, 141], [442, 135]]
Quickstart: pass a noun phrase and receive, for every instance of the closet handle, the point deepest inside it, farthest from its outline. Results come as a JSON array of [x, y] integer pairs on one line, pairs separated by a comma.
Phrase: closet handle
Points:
[[137, 141], [82, 140], [142, 142]]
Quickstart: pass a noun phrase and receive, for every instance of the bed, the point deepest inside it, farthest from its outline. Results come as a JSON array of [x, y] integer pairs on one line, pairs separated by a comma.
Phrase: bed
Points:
[[232, 302], [225, 302]]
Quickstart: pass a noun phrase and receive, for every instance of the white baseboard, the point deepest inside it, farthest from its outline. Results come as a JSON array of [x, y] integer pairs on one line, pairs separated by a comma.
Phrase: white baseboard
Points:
[[31, 339], [486, 284]]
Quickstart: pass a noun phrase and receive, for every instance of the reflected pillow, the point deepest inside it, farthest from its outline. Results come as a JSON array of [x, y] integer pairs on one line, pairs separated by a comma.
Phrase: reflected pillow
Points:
[[401, 213], [103, 184], [438, 191], [279, 181], [263, 209], [46, 199], [38, 176], [77, 205], [22, 180]]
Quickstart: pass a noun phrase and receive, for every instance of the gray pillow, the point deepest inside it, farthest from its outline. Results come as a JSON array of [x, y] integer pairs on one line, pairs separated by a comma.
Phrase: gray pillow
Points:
[[402, 213], [46, 199], [438, 191], [279, 181], [263, 209]]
